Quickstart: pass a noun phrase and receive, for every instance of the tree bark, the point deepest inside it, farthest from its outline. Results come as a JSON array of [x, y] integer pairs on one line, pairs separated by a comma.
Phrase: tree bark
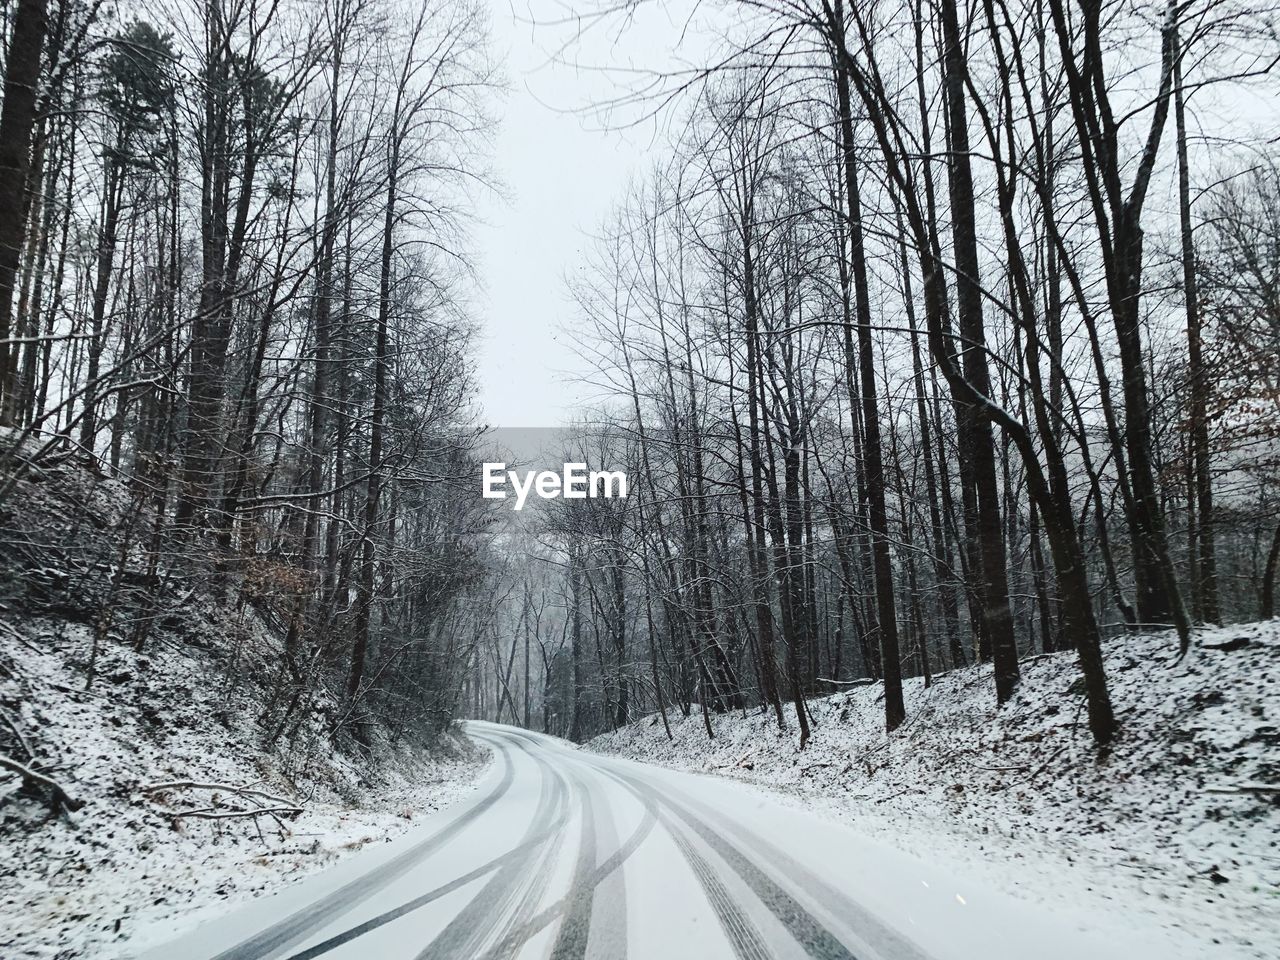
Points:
[[997, 615], [886, 611], [17, 119], [1205, 585]]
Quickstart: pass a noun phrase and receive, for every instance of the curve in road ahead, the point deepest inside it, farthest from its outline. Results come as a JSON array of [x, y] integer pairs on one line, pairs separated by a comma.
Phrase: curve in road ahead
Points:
[[567, 855]]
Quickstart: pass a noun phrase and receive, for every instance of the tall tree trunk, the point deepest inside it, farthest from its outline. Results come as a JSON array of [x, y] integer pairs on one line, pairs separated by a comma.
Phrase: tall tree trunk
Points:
[[1268, 605], [753, 527], [997, 614], [112, 190], [575, 639], [941, 552], [17, 118], [1118, 214], [1205, 587], [377, 416], [895, 710], [781, 562]]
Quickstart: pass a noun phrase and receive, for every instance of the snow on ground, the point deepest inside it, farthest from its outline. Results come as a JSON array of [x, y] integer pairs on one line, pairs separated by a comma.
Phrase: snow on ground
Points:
[[200, 701], [1163, 831], [124, 875]]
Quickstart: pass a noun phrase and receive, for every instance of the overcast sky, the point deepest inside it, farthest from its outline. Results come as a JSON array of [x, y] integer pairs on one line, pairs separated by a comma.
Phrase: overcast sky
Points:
[[563, 175], [561, 179]]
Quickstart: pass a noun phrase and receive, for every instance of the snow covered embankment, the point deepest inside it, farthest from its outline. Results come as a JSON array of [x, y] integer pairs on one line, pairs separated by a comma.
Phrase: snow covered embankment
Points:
[[135, 865], [154, 700], [1172, 828]]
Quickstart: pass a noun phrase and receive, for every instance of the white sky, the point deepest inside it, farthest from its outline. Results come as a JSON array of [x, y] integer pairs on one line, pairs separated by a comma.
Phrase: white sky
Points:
[[561, 179], [563, 175]]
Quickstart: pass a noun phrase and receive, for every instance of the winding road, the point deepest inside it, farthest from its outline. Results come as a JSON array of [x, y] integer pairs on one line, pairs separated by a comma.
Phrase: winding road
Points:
[[560, 853]]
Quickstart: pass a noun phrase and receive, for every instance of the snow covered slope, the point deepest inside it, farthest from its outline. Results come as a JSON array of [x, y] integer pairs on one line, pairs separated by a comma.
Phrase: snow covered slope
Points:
[[1171, 828], [128, 868], [123, 859]]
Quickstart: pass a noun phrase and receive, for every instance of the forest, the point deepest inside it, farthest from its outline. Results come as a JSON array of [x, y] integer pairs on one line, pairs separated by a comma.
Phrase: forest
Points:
[[938, 336], [233, 304], [930, 335]]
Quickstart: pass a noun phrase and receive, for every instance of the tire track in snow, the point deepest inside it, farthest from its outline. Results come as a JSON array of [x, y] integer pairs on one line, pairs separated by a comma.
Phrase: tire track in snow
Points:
[[738, 928], [421, 901], [601, 873], [571, 941], [879, 938], [608, 939], [298, 925], [740, 931], [481, 917], [520, 932], [804, 927], [534, 883], [522, 851]]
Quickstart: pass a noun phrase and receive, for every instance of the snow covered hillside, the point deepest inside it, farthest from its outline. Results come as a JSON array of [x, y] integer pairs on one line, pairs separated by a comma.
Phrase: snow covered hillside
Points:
[[147, 768], [1179, 823], [136, 859]]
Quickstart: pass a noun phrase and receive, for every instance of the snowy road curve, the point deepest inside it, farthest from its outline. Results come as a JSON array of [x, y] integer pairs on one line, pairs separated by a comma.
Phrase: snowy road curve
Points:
[[564, 854]]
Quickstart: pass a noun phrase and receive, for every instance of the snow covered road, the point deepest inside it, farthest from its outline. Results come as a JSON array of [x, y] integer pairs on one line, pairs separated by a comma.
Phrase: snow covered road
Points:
[[562, 853]]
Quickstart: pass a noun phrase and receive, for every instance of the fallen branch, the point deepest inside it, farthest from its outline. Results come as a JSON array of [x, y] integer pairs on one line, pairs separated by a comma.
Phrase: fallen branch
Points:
[[1017, 769], [1047, 760], [210, 813], [1260, 788], [745, 762], [245, 791], [894, 796], [59, 799], [252, 804], [20, 638]]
